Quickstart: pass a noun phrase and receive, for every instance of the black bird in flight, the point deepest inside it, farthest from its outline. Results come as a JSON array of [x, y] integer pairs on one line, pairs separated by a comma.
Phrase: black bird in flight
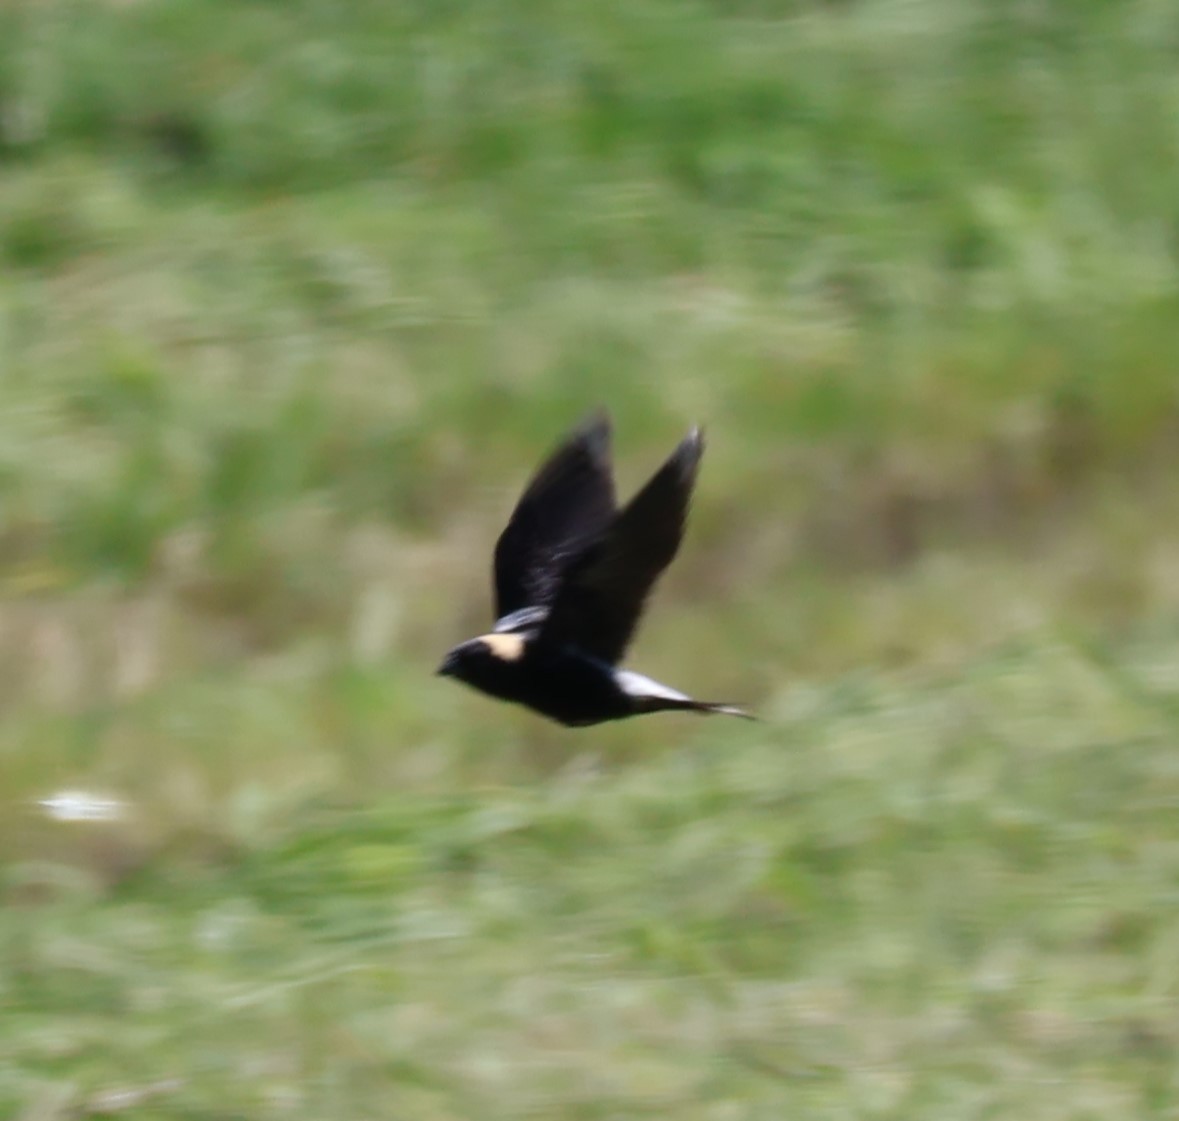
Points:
[[572, 575]]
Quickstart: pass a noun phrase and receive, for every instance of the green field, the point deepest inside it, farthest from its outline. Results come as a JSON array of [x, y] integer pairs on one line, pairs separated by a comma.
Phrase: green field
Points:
[[292, 299]]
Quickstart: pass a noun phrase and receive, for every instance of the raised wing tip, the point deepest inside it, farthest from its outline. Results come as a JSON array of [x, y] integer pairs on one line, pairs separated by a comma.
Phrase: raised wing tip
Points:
[[691, 448], [597, 420], [594, 430]]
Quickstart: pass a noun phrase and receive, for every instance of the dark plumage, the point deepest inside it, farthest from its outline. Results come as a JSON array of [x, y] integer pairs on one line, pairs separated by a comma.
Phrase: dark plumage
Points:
[[572, 576]]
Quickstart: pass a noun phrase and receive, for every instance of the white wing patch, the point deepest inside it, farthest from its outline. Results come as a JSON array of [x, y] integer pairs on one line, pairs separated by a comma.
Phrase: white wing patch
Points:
[[506, 647], [521, 620], [636, 685]]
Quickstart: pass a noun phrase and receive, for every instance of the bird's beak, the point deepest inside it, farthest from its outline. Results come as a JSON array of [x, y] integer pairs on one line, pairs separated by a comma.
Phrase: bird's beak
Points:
[[446, 669]]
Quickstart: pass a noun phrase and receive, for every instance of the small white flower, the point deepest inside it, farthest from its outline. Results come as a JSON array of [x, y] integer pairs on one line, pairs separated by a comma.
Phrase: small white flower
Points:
[[82, 805]]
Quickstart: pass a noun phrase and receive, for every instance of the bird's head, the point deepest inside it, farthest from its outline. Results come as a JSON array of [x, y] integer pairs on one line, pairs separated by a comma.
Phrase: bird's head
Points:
[[478, 659]]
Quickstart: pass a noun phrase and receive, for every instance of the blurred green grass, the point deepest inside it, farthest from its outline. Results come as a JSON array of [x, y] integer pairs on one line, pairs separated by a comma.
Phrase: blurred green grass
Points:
[[292, 297]]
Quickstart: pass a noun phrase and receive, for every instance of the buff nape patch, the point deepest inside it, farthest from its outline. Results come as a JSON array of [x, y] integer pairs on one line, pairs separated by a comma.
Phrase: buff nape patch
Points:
[[506, 647]]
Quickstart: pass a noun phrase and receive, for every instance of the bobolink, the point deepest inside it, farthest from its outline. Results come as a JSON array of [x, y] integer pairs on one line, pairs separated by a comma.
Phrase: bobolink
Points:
[[572, 575]]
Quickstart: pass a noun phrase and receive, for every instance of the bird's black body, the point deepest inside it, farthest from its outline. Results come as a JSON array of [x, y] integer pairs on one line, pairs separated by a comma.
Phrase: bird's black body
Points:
[[572, 576], [553, 680]]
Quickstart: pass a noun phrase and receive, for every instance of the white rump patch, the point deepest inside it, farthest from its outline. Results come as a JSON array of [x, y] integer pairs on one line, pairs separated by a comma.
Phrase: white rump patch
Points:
[[506, 647], [636, 685]]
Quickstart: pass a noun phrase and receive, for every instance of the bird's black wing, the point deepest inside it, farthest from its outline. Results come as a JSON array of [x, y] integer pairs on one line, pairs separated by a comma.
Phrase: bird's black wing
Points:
[[568, 503], [604, 590]]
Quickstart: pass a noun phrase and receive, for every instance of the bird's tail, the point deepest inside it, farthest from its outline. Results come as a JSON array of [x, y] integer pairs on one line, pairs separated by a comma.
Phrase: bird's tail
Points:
[[649, 696], [712, 708]]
